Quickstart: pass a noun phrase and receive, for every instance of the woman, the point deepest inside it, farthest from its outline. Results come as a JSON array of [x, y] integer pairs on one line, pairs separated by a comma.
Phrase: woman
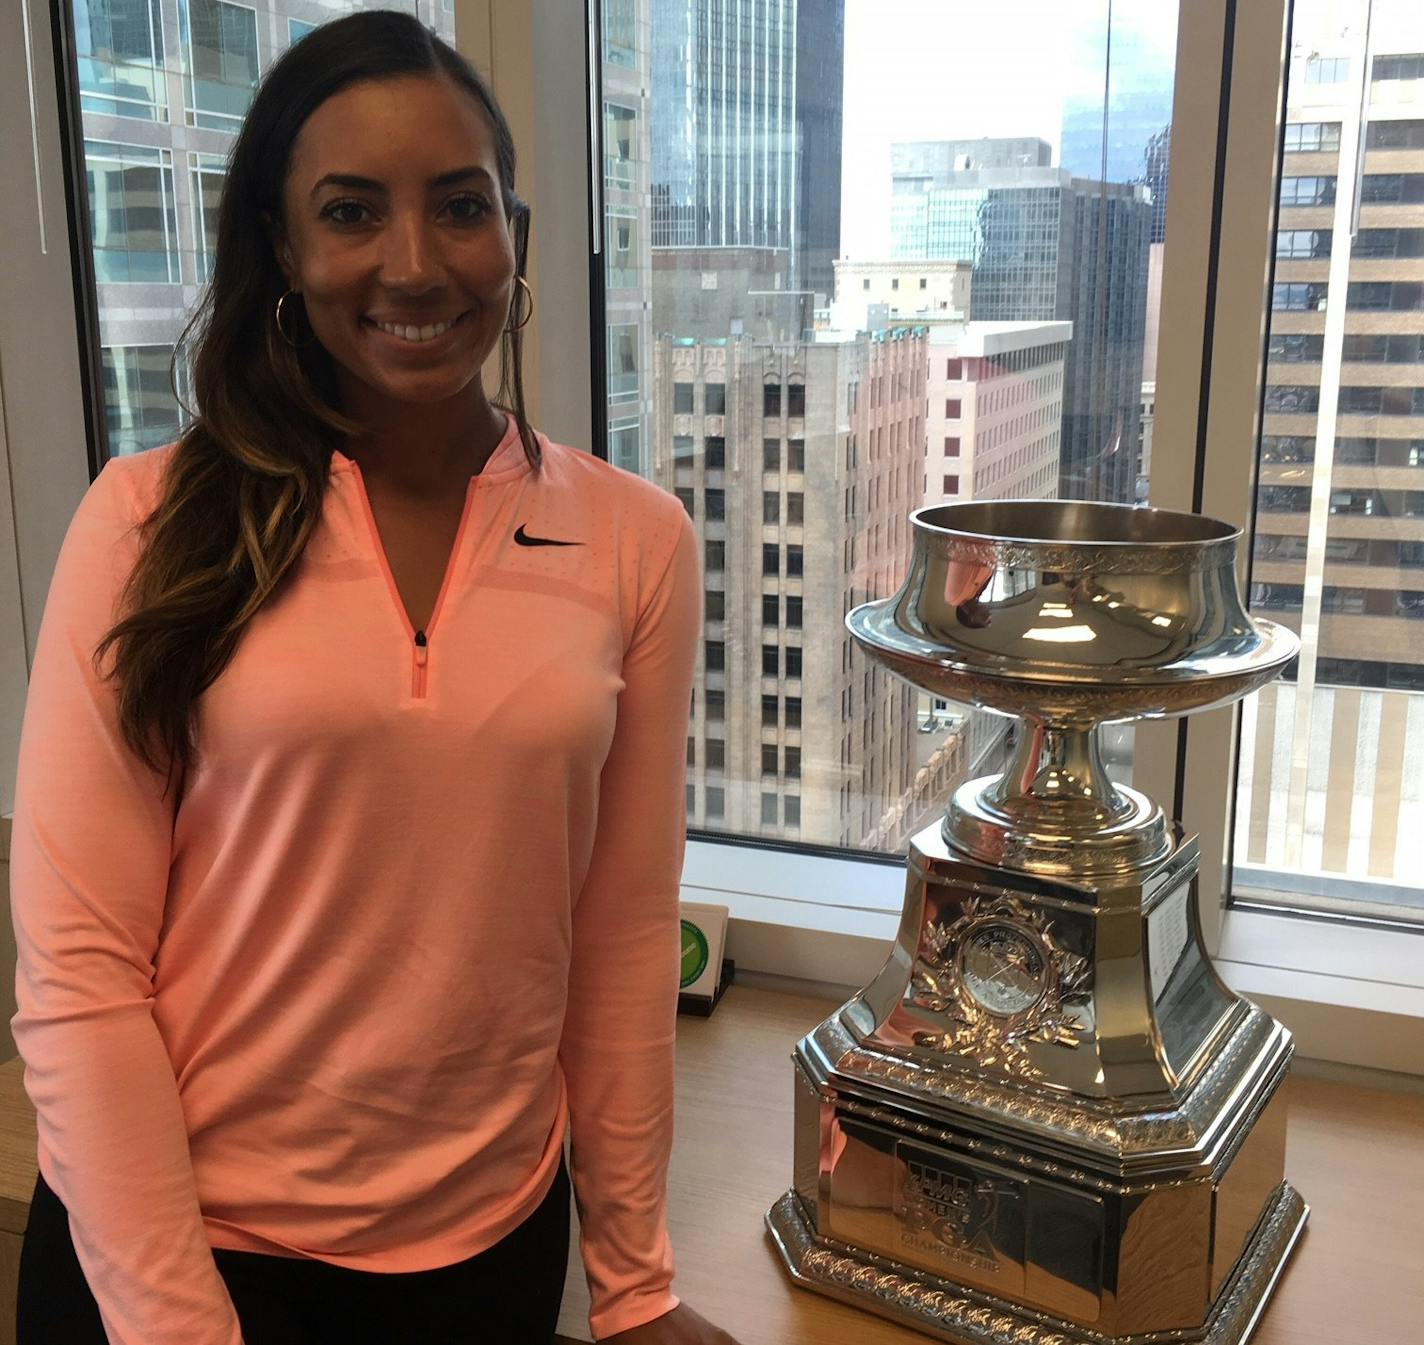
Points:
[[354, 881]]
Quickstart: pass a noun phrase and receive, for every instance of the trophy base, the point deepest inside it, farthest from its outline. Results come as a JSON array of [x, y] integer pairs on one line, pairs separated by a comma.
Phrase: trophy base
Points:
[[947, 1311]]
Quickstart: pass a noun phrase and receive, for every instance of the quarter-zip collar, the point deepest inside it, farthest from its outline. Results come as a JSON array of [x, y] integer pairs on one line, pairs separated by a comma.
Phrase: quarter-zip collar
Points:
[[507, 462]]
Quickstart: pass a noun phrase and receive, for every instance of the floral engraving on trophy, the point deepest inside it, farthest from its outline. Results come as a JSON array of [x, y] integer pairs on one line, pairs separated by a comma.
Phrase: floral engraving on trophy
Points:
[[999, 981]]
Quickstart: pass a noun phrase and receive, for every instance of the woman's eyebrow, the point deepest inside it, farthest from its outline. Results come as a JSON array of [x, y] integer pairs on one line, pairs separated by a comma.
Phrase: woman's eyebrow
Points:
[[357, 183]]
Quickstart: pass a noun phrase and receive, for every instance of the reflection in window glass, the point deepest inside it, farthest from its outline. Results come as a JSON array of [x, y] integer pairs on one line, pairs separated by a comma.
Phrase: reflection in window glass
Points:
[[155, 225], [220, 44], [119, 46], [1330, 797], [131, 216], [622, 364], [804, 347], [139, 402]]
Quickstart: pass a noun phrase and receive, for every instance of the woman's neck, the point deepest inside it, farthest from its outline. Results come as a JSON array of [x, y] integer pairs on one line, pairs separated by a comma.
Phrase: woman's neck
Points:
[[423, 450]]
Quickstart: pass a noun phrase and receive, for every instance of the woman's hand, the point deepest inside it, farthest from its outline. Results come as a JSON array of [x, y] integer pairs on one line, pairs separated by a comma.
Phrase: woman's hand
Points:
[[681, 1326]]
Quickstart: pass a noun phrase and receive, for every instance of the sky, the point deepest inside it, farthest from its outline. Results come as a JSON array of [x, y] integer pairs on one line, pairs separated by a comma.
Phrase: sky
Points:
[[937, 69]]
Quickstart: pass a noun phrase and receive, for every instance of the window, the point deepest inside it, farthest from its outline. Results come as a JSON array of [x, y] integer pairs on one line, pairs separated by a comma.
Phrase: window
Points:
[[716, 656], [796, 455], [131, 213], [716, 705], [924, 283], [793, 703], [139, 406], [1395, 135], [768, 809], [951, 485], [795, 507], [684, 493], [1312, 136], [623, 441], [770, 660], [771, 455], [770, 507], [865, 284], [951, 408], [1398, 67], [1392, 188], [1297, 347], [793, 561], [1307, 191], [768, 712], [953, 370], [716, 754], [770, 609], [120, 49], [715, 503], [1303, 243], [716, 803], [770, 558], [221, 51], [768, 759], [622, 363], [715, 452], [715, 398], [691, 799], [205, 181], [1327, 71], [1395, 296], [715, 608], [621, 237], [1389, 243], [895, 282], [793, 661], [714, 556], [771, 400], [792, 758], [683, 446], [796, 399], [792, 805], [793, 613], [682, 399], [619, 146], [951, 445], [691, 751], [1299, 297]]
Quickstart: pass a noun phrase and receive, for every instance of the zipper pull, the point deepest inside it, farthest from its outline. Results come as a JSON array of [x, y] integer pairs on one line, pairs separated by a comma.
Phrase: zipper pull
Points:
[[420, 648]]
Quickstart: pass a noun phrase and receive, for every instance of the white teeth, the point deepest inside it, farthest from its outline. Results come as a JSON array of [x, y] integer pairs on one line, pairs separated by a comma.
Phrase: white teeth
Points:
[[415, 333]]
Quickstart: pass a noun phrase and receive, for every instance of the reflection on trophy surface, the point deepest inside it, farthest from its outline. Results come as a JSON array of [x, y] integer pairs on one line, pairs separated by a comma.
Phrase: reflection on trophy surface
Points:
[[1047, 1121]]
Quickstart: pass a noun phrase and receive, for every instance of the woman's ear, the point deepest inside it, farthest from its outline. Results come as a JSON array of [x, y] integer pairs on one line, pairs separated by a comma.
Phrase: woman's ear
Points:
[[281, 248]]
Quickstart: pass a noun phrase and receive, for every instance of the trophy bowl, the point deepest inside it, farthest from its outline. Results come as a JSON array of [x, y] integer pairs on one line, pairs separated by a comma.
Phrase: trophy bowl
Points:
[[1068, 615]]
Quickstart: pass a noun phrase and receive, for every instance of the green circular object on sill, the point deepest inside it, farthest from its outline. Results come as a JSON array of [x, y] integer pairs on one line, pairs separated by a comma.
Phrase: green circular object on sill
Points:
[[694, 953]]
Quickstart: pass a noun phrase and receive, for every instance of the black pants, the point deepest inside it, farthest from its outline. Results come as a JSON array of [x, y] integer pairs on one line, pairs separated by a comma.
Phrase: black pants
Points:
[[508, 1295]]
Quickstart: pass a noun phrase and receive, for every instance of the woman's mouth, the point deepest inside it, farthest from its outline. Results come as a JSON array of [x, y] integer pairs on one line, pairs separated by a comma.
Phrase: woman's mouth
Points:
[[411, 334]]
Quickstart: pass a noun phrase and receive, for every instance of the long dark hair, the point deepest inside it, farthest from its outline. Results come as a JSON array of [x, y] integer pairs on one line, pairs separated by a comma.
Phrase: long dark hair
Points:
[[243, 488]]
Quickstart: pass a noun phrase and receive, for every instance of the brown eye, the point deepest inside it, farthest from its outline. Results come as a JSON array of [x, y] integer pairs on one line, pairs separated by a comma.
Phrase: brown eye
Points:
[[469, 207], [343, 212]]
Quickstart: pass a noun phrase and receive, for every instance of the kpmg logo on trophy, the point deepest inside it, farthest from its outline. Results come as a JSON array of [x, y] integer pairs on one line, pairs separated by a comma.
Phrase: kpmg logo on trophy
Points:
[[1047, 1120]]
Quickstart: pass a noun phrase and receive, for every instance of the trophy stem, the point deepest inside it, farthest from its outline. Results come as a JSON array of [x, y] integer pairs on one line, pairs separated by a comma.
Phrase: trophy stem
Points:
[[1058, 772], [1055, 810]]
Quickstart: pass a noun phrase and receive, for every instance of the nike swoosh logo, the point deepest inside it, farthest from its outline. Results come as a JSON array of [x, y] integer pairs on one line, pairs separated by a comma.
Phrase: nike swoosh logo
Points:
[[524, 539]]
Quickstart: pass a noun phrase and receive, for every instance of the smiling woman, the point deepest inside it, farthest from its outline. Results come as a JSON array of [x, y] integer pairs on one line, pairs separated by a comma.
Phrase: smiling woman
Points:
[[410, 915]]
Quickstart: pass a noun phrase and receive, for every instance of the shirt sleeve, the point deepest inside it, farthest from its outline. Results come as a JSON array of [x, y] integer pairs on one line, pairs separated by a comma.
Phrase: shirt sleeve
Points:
[[619, 1033], [90, 856]]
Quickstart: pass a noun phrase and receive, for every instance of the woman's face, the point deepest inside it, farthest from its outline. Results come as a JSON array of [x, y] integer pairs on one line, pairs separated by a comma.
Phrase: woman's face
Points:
[[395, 235]]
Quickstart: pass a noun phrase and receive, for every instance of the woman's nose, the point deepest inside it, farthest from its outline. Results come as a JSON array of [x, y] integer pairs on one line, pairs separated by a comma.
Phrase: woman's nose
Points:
[[410, 253]]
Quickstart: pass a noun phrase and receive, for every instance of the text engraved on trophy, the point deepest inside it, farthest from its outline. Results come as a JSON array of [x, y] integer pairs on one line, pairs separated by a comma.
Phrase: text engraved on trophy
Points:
[[956, 1212], [999, 981]]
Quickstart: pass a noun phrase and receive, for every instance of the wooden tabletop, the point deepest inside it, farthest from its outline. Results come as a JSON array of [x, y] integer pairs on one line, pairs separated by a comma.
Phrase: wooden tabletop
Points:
[[1357, 1156]]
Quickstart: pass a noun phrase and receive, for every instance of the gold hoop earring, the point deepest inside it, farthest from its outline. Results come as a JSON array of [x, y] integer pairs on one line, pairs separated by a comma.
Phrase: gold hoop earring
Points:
[[529, 309], [282, 331]]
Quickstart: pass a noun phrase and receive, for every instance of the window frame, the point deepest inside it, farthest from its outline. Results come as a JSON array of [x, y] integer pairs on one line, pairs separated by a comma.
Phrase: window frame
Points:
[[841, 908]]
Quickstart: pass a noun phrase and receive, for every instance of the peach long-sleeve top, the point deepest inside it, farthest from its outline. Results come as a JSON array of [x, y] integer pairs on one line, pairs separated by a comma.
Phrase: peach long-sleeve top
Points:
[[414, 916]]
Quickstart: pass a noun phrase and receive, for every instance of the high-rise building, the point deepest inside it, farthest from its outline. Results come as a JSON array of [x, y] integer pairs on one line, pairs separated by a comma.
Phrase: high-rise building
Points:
[[746, 118], [164, 85], [1045, 246], [1330, 759], [799, 464], [627, 245]]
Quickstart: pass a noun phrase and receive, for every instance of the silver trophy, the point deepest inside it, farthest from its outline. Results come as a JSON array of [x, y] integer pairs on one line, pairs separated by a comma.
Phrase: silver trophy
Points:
[[1047, 1121]]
